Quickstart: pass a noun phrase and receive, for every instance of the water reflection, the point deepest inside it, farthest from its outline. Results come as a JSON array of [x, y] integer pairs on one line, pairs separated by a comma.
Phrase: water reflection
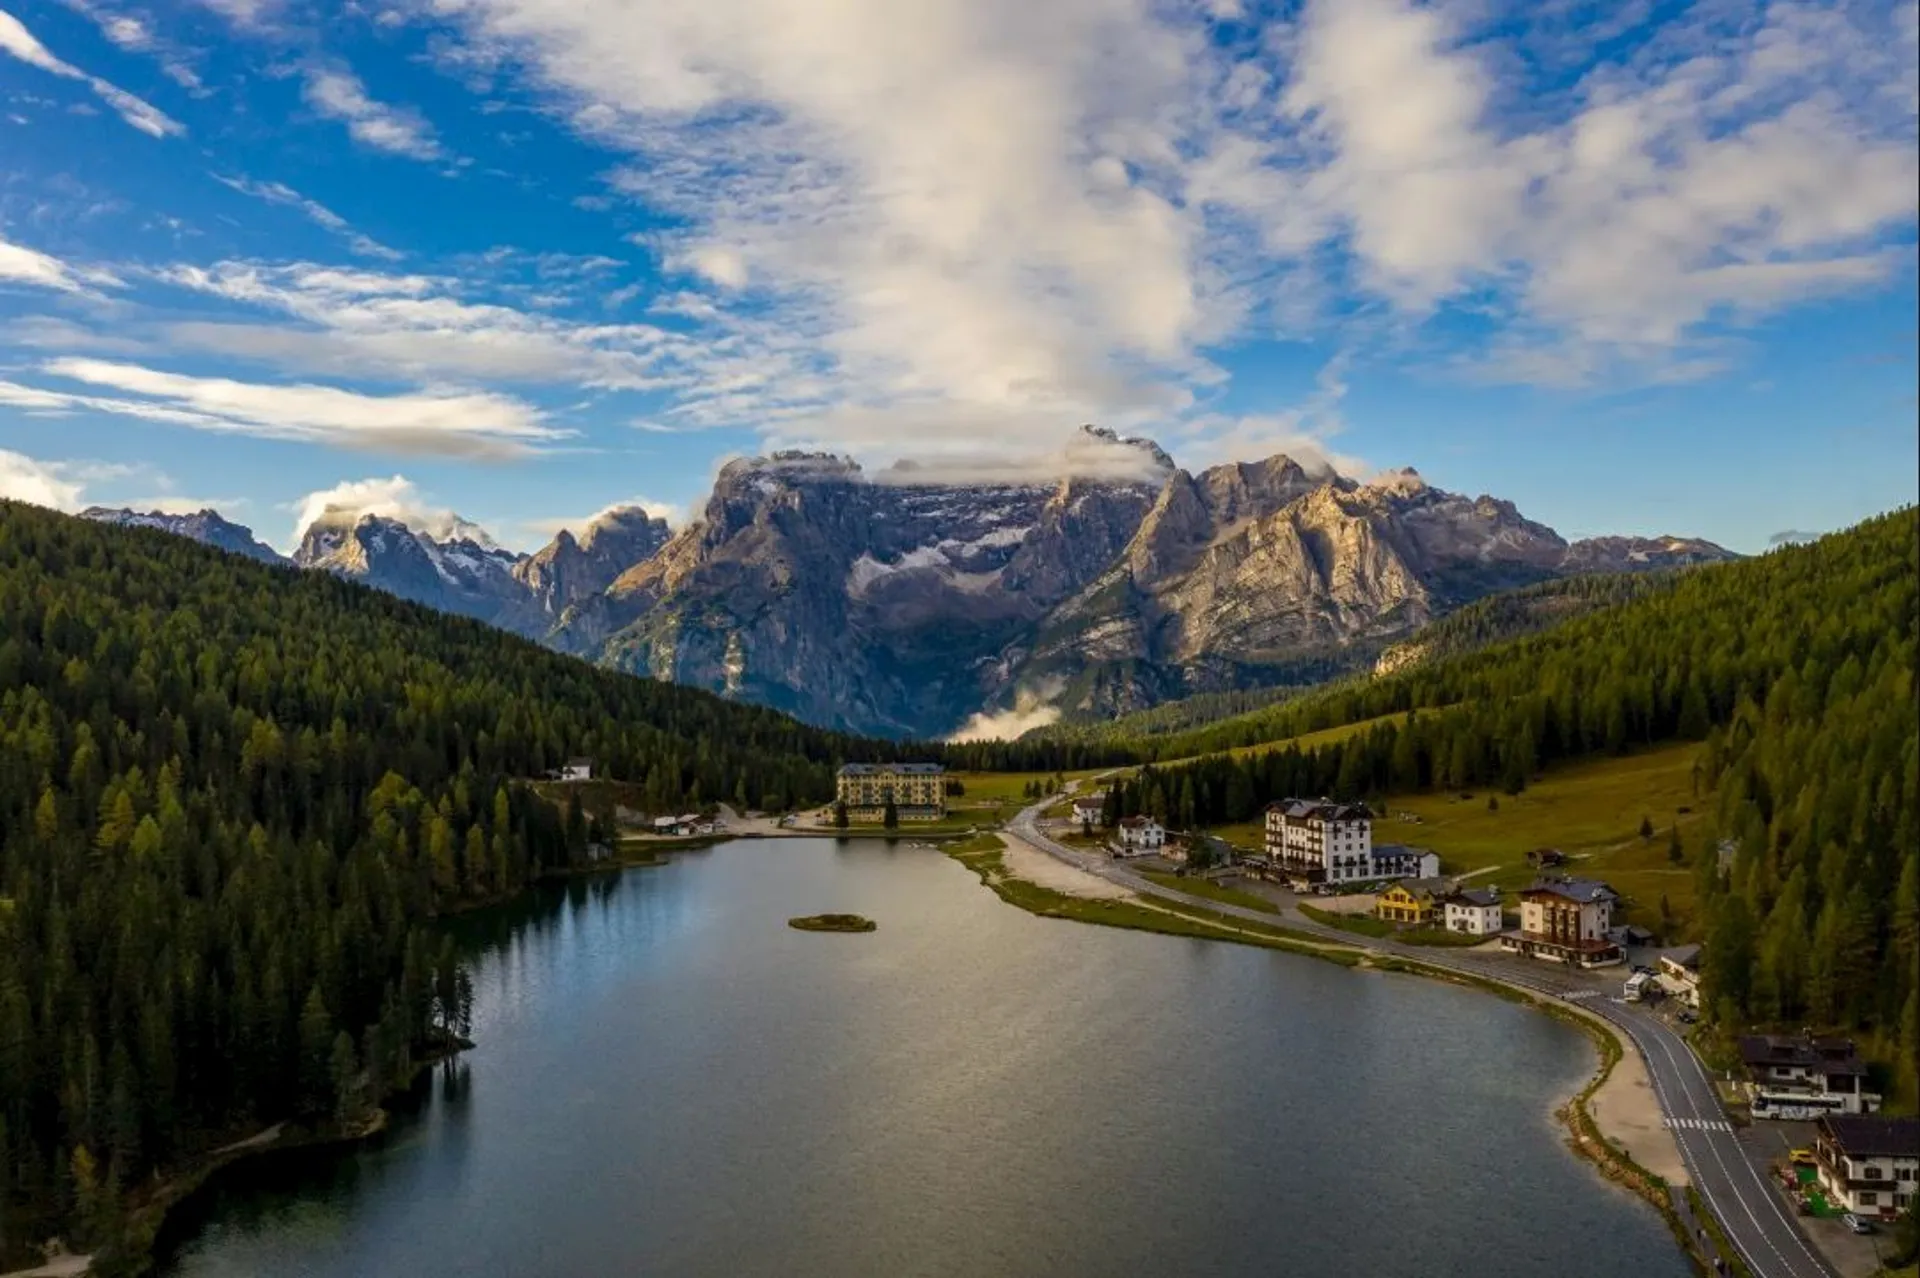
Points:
[[671, 1081]]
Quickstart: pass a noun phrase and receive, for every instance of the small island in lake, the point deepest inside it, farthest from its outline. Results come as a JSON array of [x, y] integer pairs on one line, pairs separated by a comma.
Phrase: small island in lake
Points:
[[833, 923]]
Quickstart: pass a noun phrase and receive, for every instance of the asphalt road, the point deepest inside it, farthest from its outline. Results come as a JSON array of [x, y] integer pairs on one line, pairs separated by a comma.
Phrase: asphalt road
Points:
[[1753, 1214]]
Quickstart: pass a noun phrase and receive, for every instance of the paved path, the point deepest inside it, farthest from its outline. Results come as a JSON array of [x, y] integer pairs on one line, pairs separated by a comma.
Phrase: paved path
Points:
[[1753, 1213]]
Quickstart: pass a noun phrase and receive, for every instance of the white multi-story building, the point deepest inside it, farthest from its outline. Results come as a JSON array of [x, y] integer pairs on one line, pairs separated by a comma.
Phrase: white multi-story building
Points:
[[1475, 911], [1321, 841], [1871, 1166], [1142, 834]]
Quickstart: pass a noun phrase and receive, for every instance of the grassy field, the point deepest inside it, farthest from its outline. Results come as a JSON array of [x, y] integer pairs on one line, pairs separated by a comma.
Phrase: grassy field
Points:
[[1591, 811], [984, 856], [1211, 891], [1308, 741]]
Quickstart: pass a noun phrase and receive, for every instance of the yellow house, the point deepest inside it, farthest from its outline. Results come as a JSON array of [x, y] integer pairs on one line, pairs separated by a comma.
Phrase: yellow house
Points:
[[918, 790], [1411, 901]]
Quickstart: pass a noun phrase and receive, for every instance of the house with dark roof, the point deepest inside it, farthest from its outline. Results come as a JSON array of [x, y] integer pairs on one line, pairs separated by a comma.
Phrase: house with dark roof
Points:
[[1566, 920], [1869, 1166], [1142, 834], [1474, 911], [1803, 1076], [1320, 841]]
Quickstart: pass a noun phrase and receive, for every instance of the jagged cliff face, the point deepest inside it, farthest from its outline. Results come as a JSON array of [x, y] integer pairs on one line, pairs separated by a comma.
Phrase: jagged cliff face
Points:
[[897, 604], [569, 569], [863, 602]]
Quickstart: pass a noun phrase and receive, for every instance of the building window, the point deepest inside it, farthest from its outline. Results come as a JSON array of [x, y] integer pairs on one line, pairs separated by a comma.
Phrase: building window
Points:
[[1868, 1198], [1874, 1173]]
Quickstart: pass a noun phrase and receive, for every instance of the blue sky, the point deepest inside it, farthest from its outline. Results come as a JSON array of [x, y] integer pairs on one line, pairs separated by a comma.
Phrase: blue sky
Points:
[[1639, 267]]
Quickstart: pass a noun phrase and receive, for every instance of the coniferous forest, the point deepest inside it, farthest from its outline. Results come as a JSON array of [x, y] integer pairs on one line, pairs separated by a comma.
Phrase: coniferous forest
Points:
[[230, 798], [1796, 673]]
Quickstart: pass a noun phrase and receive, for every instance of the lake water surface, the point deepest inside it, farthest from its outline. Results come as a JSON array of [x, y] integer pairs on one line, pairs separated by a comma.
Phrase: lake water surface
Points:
[[671, 1081]]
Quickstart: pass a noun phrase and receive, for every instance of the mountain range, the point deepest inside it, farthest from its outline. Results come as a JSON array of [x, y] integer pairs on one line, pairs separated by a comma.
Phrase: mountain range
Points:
[[902, 603]]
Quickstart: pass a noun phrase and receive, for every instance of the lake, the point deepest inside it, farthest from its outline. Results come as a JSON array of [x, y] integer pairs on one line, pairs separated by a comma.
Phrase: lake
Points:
[[669, 1080]]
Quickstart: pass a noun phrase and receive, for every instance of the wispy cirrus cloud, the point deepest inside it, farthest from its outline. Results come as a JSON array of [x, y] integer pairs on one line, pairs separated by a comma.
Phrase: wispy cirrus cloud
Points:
[[20, 43], [22, 265], [315, 212], [338, 94], [427, 423]]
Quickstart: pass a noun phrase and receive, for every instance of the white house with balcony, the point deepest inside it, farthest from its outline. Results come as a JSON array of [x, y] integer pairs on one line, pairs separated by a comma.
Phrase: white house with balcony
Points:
[[1320, 841], [1870, 1166]]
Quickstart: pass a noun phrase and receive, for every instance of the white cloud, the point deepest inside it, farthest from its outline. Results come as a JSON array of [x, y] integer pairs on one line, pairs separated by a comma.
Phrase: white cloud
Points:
[[16, 40], [22, 265], [970, 216], [316, 212], [1031, 710], [395, 497], [135, 33], [339, 95], [416, 327], [38, 483], [458, 424]]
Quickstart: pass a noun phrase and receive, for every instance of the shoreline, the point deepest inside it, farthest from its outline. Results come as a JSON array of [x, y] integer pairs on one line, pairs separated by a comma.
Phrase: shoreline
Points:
[[1619, 1088], [1030, 879], [142, 1225]]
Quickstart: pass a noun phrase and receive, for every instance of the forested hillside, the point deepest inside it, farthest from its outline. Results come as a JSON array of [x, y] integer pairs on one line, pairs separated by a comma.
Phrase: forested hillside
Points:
[[1222, 720], [229, 796], [1795, 670]]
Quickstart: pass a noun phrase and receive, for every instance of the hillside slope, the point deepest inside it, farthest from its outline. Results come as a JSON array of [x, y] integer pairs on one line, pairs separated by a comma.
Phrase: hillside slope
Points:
[[229, 794], [1796, 671]]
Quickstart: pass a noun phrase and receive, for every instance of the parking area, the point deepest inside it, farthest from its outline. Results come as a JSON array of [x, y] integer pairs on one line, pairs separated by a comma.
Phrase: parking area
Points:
[[1768, 1145]]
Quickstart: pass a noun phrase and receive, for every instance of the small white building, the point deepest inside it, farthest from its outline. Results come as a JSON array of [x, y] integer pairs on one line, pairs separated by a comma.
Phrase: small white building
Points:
[[1398, 861], [1474, 911], [1869, 1166], [575, 770], [1090, 809], [1142, 834]]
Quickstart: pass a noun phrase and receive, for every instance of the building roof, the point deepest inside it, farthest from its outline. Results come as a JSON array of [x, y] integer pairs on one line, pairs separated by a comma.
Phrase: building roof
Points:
[[1423, 889], [1687, 956], [1483, 897], [1137, 822], [580, 763], [1579, 891], [1828, 1055], [1395, 851], [1873, 1136], [1090, 801], [1320, 810], [892, 769]]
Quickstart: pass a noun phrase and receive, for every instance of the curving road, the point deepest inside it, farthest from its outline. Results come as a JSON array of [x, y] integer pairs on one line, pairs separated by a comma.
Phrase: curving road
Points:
[[1751, 1211]]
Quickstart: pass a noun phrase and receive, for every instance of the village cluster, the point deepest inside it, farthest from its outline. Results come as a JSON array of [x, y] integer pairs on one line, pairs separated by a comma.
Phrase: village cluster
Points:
[[1325, 848]]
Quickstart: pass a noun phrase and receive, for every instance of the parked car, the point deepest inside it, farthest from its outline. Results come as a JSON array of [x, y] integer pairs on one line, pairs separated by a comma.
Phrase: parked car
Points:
[[1856, 1224], [1688, 1016], [1643, 968]]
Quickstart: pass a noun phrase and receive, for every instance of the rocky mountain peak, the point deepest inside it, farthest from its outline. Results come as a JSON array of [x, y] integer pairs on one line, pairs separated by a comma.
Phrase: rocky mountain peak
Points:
[[205, 526]]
